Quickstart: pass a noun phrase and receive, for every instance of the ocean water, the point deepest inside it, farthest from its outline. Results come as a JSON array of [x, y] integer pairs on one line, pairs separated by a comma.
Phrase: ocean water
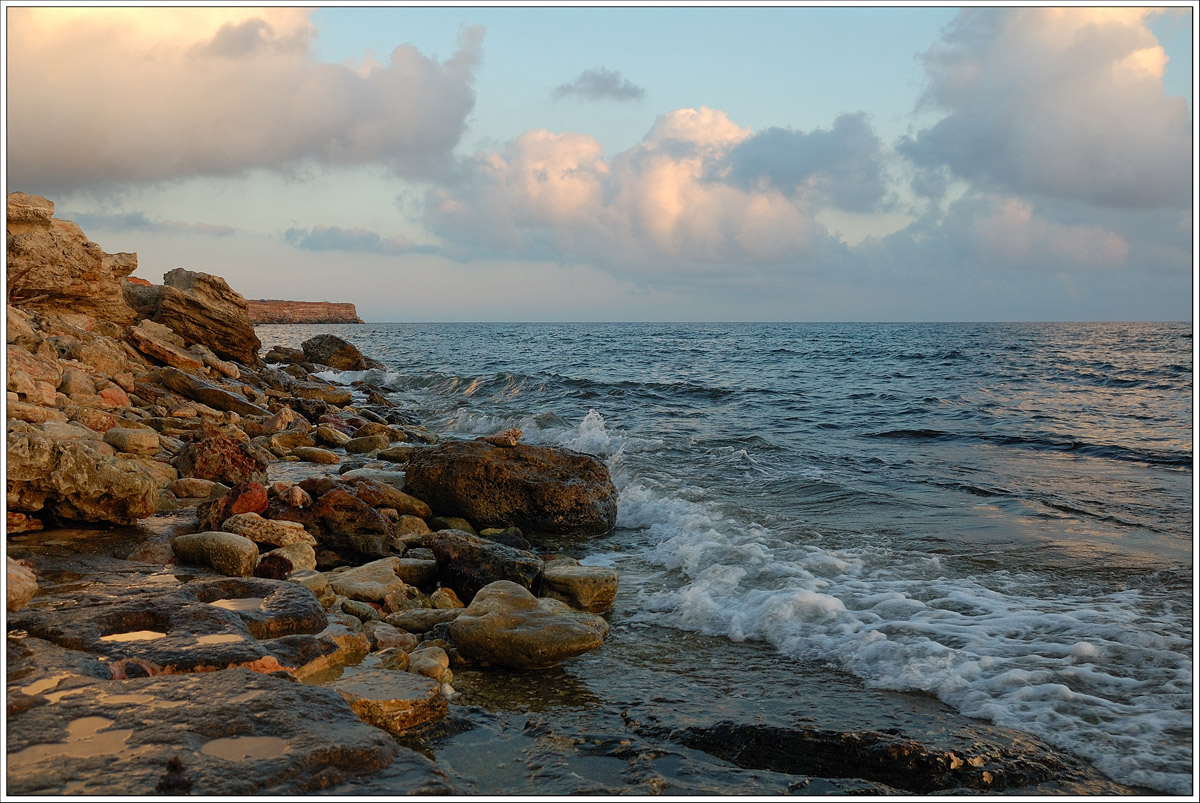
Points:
[[999, 515]]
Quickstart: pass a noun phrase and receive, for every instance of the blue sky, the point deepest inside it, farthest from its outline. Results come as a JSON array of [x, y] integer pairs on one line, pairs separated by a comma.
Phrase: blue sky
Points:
[[625, 163]]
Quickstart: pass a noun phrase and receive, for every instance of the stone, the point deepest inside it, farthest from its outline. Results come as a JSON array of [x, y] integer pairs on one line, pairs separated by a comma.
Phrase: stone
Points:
[[330, 437], [378, 494], [446, 599], [345, 521], [398, 454], [132, 439], [318, 391], [418, 572], [75, 380], [202, 308], [284, 355], [299, 554], [440, 523], [268, 531], [193, 488], [161, 350], [585, 588], [363, 611], [412, 525], [311, 579], [227, 553], [467, 563], [295, 496], [34, 413], [20, 584], [506, 438], [535, 488], [512, 536], [21, 523], [384, 636], [432, 662], [331, 350], [216, 456], [422, 620], [371, 582], [314, 454], [508, 626], [52, 267], [398, 702], [197, 389], [366, 444], [283, 418], [290, 439], [406, 598], [215, 363]]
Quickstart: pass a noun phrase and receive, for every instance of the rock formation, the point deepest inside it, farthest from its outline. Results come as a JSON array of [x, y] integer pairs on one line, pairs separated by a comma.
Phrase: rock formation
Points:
[[272, 311]]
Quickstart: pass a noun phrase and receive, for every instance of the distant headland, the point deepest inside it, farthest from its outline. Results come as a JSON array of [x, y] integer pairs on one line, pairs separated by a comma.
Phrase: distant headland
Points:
[[272, 311]]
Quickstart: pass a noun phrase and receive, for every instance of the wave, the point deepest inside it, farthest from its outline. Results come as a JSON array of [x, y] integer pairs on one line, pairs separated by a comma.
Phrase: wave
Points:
[[1046, 442]]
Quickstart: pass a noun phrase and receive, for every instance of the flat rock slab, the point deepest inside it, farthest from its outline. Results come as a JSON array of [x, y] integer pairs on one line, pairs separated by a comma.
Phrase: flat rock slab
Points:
[[398, 702], [232, 732]]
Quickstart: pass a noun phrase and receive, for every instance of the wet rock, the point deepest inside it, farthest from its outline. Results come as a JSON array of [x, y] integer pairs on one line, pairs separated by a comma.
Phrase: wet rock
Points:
[[445, 599], [273, 566], [466, 563], [346, 522], [290, 439], [440, 523], [507, 625], [268, 531], [132, 737], [21, 523], [531, 487], [510, 536], [371, 582], [384, 636], [331, 350], [397, 454], [585, 588], [318, 392], [218, 457], [20, 584], [398, 702], [366, 444], [406, 598], [227, 553], [507, 438], [421, 620], [313, 454], [431, 662]]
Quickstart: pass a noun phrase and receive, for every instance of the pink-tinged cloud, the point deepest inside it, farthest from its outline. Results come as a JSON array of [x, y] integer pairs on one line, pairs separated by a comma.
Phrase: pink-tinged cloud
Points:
[[1061, 102], [667, 205], [100, 97]]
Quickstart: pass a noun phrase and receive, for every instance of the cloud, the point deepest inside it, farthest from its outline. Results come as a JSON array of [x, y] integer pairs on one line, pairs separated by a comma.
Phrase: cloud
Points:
[[1061, 102], [843, 165], [599, 83], [336, 238], [676, 203], [99, 97], [137, 221]]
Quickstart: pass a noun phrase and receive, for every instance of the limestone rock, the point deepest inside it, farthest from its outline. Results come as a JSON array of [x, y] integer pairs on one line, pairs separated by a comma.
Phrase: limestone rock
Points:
[[445, 599], [368, 443], [384, 636], [314, 454], [227, 553], [301, 555], [272, 311], [398, 702], [371, 582], [507, 625], [148, 343], [218, 457], [133, 440], [422, 620], [535, 488], [432, 662], [268, 531], [378, 494], [21, 585], [466, 563], [585, 588], [194, 488], [196, 389], [204, 309], [330, 437], [322, 392], [52, 261]]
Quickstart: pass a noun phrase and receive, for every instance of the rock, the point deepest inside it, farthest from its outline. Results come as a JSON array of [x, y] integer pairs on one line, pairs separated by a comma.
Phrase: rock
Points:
[[284, 355], [466, 563], [512, 536], [535, 488], [34, 413], [313, 454], [295, 496], [194, 488], [508, 626], [377, 494], [133, 440], [268, 531], [398, 454], [347, 522], [445, 599], [506, 438], [350, 647], [212, 361], [432, 662], [317, 391], [330, 437], [20, 585], [55, 268], [290, 439], [384, 636], [196, 389], [227, 553], [216, 456], [273, 567], [371, 582], [381, 476], [369, 443], [330, 350], [361, 610], [406, 598], [301, 555], [421, 620], [283, 418], [21, 523], [440, 523], [412, 525], [416, 571], [398, 702], [161, 350], [272, 311], [585, 588], [202, 308], [75, 380]]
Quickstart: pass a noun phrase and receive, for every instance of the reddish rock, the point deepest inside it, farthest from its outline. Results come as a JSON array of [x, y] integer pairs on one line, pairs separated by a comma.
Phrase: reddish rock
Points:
[[271, 311], [216, 456], [203, 308], [536, 488]]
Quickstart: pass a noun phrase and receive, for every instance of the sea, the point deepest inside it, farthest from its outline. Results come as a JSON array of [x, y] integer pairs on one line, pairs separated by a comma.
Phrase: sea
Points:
[[996, 515]]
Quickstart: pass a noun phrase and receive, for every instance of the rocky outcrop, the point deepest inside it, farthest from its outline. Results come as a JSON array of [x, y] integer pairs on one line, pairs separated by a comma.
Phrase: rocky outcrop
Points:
[[272, 311], [331, 350], [536, 488], [54, 268], [202, 308]]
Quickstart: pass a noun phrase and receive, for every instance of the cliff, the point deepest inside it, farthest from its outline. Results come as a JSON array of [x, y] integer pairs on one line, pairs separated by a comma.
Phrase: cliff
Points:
[[270, 311]]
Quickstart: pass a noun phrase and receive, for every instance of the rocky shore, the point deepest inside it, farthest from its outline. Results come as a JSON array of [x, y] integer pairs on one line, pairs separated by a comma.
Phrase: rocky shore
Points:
[[226, 575]]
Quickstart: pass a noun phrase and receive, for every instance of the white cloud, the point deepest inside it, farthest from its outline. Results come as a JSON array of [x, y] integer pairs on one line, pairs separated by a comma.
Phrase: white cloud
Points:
[[100, 97], [1060, 102]]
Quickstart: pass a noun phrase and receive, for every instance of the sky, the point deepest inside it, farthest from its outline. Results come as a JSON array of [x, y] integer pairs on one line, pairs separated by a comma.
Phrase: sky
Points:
[[627, 163]]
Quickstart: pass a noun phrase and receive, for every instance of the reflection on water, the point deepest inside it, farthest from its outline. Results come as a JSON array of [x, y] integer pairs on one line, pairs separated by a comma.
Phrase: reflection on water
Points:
[[136, 635], [244, 748], [86, 738]]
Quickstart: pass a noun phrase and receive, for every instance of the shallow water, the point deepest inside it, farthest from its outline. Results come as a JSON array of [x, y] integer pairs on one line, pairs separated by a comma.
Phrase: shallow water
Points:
[[995, 515]]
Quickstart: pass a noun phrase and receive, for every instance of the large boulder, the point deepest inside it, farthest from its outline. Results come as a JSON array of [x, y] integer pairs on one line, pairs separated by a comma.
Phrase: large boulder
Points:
[[217, 456], [467, 563], [331, 350], [538, 489], [202, 308], [508, 626], [54, 268]]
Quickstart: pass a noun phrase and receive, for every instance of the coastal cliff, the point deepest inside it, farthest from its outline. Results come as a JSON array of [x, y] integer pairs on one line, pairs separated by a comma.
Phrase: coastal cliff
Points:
[[272, 311]]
